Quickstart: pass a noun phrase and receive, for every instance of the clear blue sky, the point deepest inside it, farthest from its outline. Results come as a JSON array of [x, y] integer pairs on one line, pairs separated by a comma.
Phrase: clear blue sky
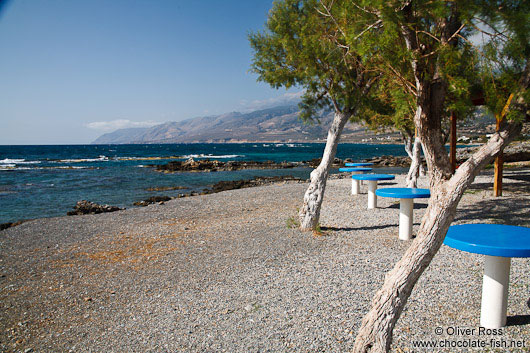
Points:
[[71, 70]]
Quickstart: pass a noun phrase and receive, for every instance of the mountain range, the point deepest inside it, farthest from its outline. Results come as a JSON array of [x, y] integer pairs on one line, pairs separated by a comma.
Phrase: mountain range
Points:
[[277, 124]]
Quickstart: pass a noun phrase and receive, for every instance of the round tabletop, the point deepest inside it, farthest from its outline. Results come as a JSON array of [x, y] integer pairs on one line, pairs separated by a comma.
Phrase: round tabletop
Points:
[[355, 169], [404, 193], [490, 239], [373, 177], [358, 164]]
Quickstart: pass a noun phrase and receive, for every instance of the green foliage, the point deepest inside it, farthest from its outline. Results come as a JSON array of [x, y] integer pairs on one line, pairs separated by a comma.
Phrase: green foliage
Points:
[[292, 223], [463, 45], [301, 46], [333, 48]]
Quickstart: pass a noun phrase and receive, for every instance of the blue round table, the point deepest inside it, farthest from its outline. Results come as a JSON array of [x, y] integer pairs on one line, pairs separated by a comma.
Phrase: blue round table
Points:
[[499, 243], [355, 183], [355, 169], [406, 198], [364, 164], [372, 180]]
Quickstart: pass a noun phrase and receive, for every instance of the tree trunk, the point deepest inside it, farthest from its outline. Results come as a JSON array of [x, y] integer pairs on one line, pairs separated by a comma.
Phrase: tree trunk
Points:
[[415, 166], [310, 212], [375, 334], [413, 150]]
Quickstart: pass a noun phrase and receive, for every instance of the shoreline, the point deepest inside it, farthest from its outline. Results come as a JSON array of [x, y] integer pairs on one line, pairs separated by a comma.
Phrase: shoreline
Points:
[[383, 161]]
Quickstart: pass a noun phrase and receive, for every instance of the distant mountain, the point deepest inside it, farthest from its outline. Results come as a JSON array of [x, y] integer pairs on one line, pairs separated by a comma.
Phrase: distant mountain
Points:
[[122, 136], [278, 124]]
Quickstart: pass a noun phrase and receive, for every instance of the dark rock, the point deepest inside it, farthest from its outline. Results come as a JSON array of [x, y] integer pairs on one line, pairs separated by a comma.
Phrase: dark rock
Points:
[[87, 207], [207, 165], [11, 224], [152, 199], [256, 181], [337, 162], [390, 161]]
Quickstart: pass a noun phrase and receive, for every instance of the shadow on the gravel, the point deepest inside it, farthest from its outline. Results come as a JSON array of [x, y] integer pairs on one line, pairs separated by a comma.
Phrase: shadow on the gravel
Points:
[[417, 206], [520, 177], [386, 183], [509, 187], [513, 211], [518, 320], [348, 229]]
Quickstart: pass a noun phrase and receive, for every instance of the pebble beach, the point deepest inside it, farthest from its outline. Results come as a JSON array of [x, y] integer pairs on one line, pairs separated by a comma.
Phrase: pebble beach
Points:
[[230, 272]]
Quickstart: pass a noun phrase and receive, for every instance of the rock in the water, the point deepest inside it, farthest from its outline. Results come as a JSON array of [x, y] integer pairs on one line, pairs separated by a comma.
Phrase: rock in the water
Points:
[[152, 199], [87, 207], [207, 165], [390, 161]]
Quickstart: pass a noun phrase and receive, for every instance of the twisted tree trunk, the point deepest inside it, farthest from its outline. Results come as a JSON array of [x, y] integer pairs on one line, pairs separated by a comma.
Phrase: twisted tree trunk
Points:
[[375, 334], [309, 214], [416, 168]]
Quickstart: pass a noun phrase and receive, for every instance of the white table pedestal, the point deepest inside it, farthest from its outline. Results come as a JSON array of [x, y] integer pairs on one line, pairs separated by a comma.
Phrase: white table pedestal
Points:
[[372, 197], [355, 187], [495, 291], [361, 182], [406, 207]]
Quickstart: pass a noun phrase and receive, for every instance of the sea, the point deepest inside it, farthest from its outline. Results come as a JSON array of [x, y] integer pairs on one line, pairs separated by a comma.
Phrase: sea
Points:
[[47, 181]]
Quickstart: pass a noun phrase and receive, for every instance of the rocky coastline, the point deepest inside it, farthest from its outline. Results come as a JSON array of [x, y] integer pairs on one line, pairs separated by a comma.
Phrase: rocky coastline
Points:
[[213, 165], [87, 207], [208, 165], [514, 153]]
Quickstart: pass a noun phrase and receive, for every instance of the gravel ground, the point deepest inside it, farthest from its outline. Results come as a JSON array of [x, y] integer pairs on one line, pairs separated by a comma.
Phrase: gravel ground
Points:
[[225, 273]]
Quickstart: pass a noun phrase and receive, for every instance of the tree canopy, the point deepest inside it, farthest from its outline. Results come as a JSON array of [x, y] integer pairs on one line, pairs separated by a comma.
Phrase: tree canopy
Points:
[[302, 46]]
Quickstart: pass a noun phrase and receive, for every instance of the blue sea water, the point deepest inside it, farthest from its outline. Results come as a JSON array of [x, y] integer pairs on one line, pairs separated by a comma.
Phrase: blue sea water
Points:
[[47, 181]]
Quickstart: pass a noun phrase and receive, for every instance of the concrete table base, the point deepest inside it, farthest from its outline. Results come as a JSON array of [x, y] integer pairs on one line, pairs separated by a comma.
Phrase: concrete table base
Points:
[[406, 207], [372, 198], [355, 187], [499, 243], [371, 180], [406, 198], [495, 291]]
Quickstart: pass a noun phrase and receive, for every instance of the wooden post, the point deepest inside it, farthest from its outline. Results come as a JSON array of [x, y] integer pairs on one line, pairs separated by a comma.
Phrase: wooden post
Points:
[[452, 143], [497, 178]]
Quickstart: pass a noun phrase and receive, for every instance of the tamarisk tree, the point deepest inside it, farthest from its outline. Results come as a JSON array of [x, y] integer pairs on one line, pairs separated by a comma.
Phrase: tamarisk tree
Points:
[[398, 115], [430, 47], [299, 48]]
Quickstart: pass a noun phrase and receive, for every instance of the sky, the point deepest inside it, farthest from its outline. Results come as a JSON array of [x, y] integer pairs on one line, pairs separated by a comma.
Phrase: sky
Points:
[[71, 70]]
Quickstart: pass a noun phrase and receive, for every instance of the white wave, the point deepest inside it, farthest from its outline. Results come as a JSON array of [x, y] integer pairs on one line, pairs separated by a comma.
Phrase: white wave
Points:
[[67, 167], [212, 156], [146, 158], [14, 167], [17, 161], [11, 161], [80, 160]]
